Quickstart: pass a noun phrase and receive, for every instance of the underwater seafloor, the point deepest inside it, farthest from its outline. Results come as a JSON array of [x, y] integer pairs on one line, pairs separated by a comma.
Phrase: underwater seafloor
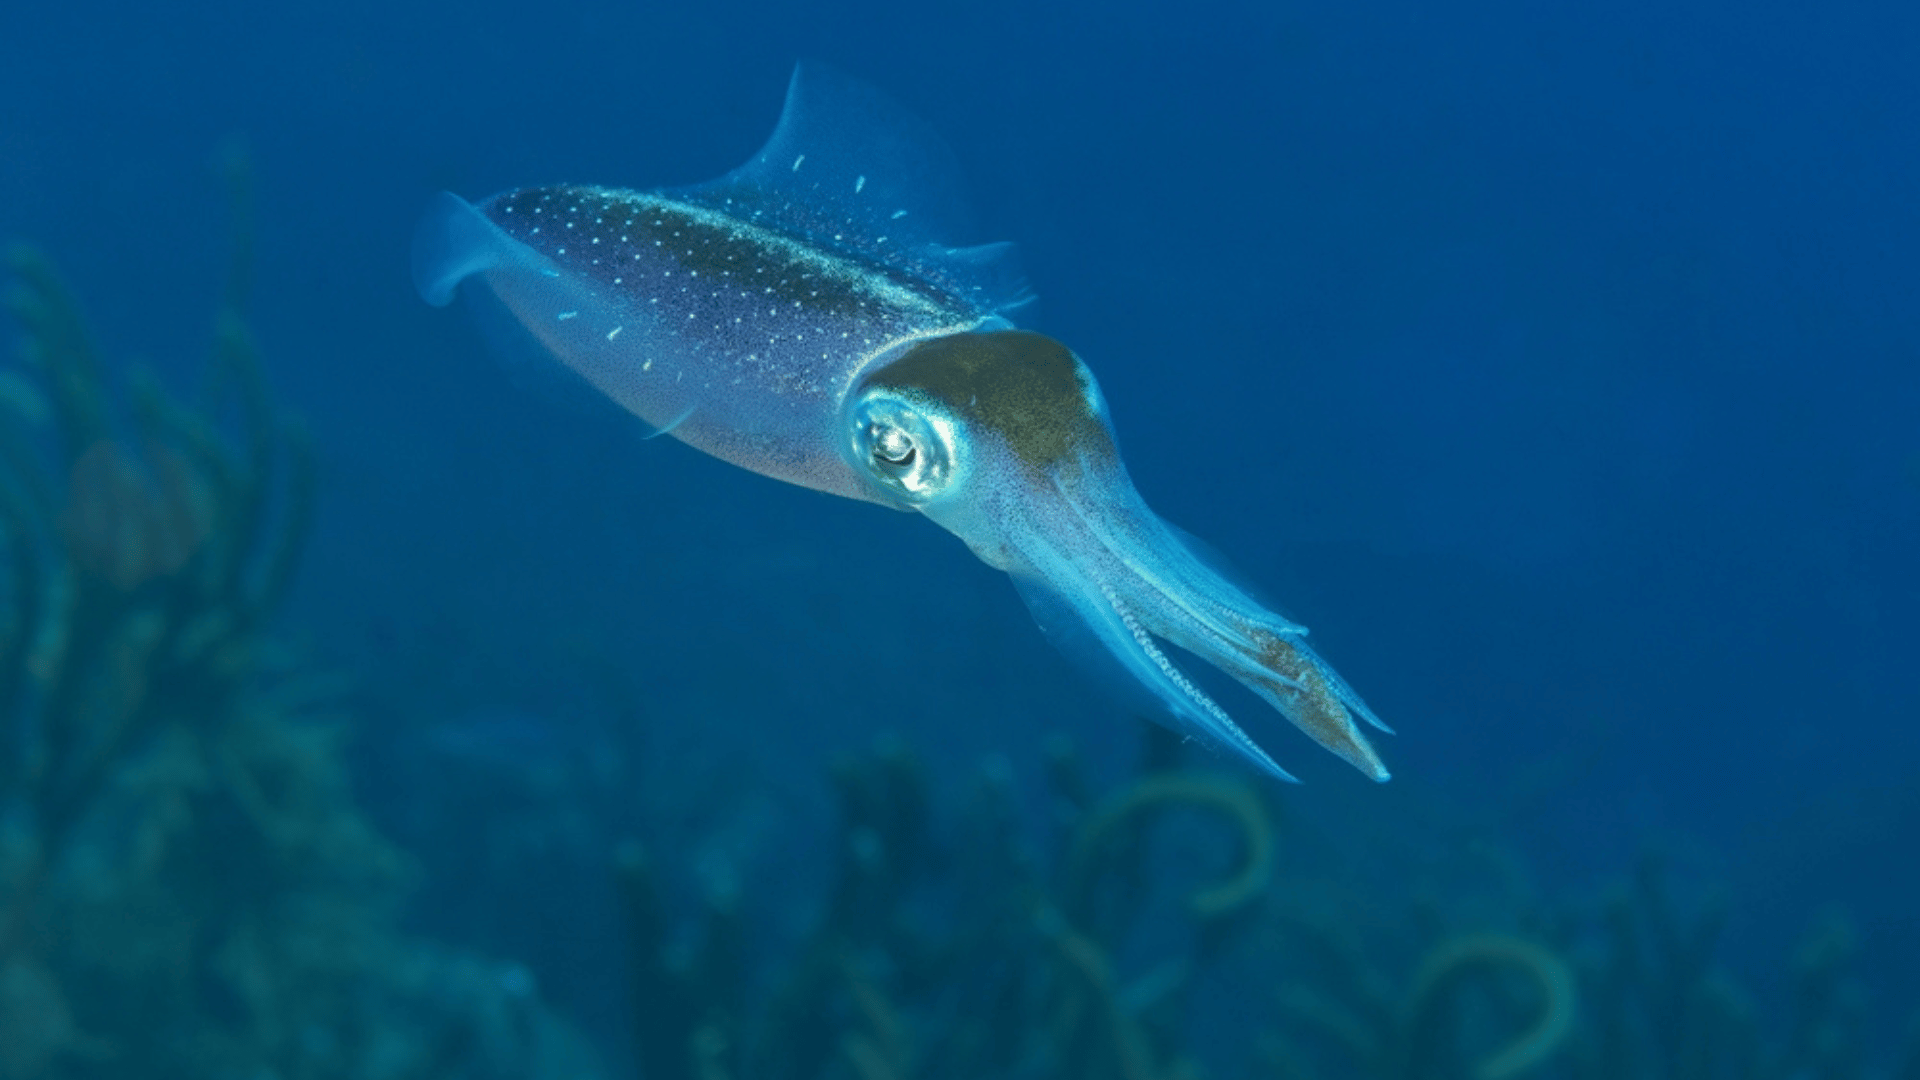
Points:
[[364, 713]]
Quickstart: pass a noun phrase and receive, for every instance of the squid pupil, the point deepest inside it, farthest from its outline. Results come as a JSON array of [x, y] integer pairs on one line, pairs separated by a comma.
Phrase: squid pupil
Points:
[[894, 448]]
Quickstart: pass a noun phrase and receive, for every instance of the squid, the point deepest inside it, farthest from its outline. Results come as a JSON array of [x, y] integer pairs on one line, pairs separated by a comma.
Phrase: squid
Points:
[[804, 317]]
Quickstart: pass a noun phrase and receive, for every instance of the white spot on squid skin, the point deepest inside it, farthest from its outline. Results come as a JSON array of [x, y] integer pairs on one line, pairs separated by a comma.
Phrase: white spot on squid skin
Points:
[[858, 183], [897, 215], [797, 161], [648, 365], [615, 332], [565, 315]]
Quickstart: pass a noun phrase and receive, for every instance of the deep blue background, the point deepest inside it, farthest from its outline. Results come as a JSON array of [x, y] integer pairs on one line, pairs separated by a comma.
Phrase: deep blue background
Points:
[[1560, 365]]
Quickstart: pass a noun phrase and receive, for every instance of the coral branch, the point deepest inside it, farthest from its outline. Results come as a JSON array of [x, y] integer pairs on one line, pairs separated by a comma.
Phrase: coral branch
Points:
[[1454, 960], [1106, 830]]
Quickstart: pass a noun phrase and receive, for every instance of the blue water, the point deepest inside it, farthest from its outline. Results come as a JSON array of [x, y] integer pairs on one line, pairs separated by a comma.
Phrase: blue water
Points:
[[1559, 366]]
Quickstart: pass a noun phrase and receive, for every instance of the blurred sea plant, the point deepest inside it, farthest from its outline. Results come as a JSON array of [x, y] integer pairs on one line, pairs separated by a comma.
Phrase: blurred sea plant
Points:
[[186, 886], [1520, 985], [961, 952], [956, 955]]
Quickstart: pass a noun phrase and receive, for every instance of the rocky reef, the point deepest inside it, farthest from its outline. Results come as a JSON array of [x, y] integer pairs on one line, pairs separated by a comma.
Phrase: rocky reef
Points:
[[951, 945], [187, 888]]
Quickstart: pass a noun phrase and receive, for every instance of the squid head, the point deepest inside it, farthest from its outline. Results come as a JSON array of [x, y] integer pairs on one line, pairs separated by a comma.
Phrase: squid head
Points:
[[1002, 438]]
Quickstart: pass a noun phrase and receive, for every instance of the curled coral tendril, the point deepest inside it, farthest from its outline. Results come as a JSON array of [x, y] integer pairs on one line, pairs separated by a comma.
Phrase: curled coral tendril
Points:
[[1236, 800], [1455, 958]]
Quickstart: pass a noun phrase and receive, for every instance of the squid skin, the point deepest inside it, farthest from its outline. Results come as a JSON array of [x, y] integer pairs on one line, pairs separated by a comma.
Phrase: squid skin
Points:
[[802, 317]]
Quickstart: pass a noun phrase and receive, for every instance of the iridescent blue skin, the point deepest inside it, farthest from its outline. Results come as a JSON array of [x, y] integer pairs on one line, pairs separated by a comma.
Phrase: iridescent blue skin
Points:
[[800, 317]]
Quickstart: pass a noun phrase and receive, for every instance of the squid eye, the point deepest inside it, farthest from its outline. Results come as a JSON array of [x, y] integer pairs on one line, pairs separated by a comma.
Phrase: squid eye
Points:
[[894, 447], [905, 448]]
